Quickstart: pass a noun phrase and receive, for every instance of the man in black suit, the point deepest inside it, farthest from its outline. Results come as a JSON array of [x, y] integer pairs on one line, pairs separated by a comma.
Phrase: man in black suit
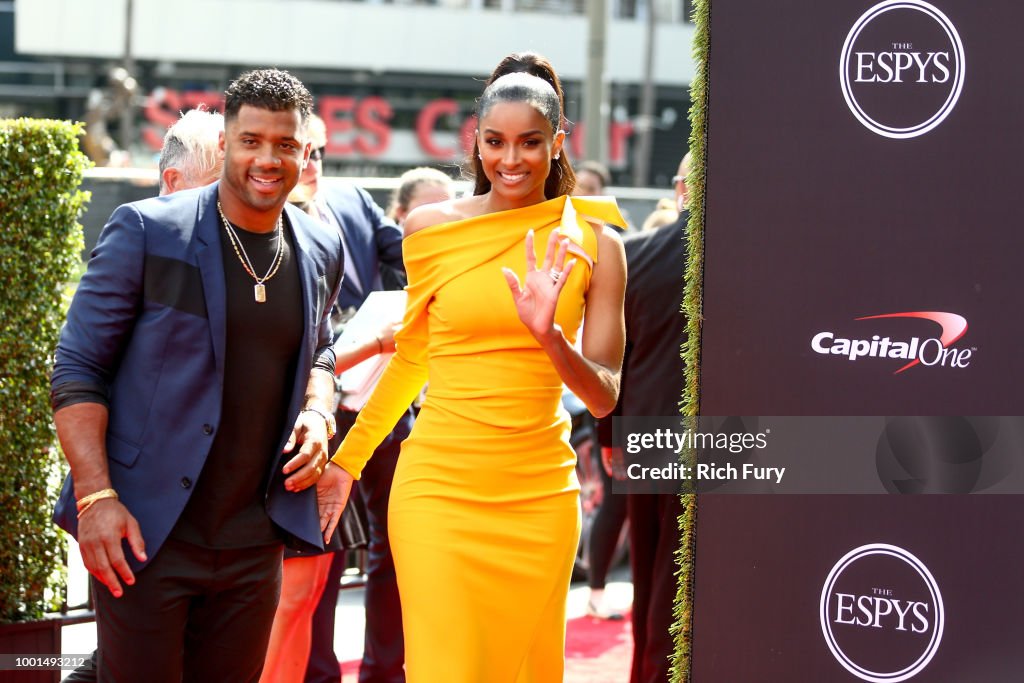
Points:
[[652, 377]]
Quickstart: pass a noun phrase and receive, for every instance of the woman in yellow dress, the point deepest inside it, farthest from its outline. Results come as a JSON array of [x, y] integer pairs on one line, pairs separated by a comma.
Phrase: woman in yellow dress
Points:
[[484, 514]]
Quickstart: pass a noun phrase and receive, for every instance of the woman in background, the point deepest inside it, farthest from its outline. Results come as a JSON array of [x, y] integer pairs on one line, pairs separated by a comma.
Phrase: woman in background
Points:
[[484, 513], [419, 186]]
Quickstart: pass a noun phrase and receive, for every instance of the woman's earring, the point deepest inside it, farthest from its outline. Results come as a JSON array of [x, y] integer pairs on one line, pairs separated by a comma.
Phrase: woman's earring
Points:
[[479, 156], [558, 155]]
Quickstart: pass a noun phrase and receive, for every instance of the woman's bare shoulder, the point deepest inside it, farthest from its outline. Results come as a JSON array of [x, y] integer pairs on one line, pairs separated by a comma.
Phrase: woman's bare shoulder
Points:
[[607, 234], [442, 212], [609, 248]]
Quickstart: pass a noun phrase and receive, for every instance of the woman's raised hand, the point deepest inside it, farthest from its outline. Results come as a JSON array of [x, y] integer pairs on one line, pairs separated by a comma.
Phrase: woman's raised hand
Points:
[[536, 297]]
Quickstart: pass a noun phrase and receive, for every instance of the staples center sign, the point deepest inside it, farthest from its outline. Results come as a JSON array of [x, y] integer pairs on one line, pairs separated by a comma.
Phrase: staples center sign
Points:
[[930, 351], [360, 127]]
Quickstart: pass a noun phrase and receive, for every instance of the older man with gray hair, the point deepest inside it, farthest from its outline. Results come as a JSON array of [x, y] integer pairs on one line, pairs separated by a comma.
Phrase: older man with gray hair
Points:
[[190, 156]]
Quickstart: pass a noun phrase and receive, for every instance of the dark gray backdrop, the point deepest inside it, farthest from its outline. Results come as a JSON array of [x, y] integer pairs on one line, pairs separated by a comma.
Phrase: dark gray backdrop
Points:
[[814, 221]]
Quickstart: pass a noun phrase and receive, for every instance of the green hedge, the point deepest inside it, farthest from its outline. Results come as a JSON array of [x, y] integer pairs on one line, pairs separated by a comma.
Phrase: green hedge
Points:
[[693, 308], [40, 249]]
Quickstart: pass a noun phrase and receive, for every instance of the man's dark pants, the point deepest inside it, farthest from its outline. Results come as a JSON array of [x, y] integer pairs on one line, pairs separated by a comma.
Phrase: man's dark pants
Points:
[[194, 614], [653, 539]]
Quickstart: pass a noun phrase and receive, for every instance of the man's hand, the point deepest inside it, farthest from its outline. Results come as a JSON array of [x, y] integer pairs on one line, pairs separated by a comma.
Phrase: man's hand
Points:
[[310, 431], [106, 522], [332, 491], [100, 530]]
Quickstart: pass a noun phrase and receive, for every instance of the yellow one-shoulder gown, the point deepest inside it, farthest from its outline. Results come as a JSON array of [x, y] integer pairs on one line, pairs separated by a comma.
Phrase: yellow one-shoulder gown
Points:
[[484, 514]]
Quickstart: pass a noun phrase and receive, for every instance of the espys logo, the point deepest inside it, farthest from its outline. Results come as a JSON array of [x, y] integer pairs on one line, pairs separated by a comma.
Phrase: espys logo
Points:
[[930, 351], [881, 613], [902, 68]]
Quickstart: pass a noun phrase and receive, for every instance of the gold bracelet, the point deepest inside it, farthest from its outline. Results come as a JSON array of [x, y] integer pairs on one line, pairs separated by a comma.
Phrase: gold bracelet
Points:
[[86, 502]]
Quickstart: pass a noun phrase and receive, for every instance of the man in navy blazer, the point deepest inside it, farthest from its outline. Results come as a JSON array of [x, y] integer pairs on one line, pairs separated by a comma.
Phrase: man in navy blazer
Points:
[[372, 241], [195, 358]]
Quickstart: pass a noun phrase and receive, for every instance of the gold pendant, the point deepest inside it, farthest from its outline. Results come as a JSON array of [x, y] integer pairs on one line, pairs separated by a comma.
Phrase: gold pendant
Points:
[[260, 292]]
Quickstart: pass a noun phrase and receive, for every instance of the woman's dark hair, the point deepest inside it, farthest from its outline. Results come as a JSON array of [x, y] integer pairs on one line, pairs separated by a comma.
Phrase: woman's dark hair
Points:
[[561, 179]]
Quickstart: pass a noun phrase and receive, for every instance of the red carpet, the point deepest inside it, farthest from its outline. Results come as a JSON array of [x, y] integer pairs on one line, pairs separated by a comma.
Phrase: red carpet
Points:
[[596, 651]]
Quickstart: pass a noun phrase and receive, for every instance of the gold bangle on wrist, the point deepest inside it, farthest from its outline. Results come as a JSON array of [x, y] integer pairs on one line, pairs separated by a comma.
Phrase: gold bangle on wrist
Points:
[[85, 502]]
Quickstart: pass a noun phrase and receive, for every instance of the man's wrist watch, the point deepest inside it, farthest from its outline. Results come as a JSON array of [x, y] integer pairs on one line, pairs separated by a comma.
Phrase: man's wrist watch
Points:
[[332, 426]]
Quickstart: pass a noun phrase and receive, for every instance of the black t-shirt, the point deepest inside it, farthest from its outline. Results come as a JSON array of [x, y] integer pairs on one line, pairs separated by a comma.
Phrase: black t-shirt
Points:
[[227, 508]]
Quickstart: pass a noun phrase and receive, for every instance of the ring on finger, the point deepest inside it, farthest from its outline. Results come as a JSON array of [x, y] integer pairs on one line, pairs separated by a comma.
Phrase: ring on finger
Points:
[[555, 275]]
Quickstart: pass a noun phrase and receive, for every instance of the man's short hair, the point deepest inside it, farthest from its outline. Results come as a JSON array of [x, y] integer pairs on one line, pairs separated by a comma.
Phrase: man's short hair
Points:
[[270, 89], [191, 146]]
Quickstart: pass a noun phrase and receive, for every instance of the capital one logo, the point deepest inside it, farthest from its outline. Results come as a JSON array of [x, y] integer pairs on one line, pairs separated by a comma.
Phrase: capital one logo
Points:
[[881, 613], [902, 68], [933, 351]]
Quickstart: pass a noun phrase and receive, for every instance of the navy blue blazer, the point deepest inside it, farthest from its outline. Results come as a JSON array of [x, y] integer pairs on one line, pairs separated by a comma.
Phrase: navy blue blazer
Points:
[[147, 325], [371, 238]]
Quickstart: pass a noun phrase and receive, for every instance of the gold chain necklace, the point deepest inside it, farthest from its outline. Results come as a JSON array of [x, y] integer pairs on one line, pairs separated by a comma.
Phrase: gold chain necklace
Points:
[[259, 290]]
